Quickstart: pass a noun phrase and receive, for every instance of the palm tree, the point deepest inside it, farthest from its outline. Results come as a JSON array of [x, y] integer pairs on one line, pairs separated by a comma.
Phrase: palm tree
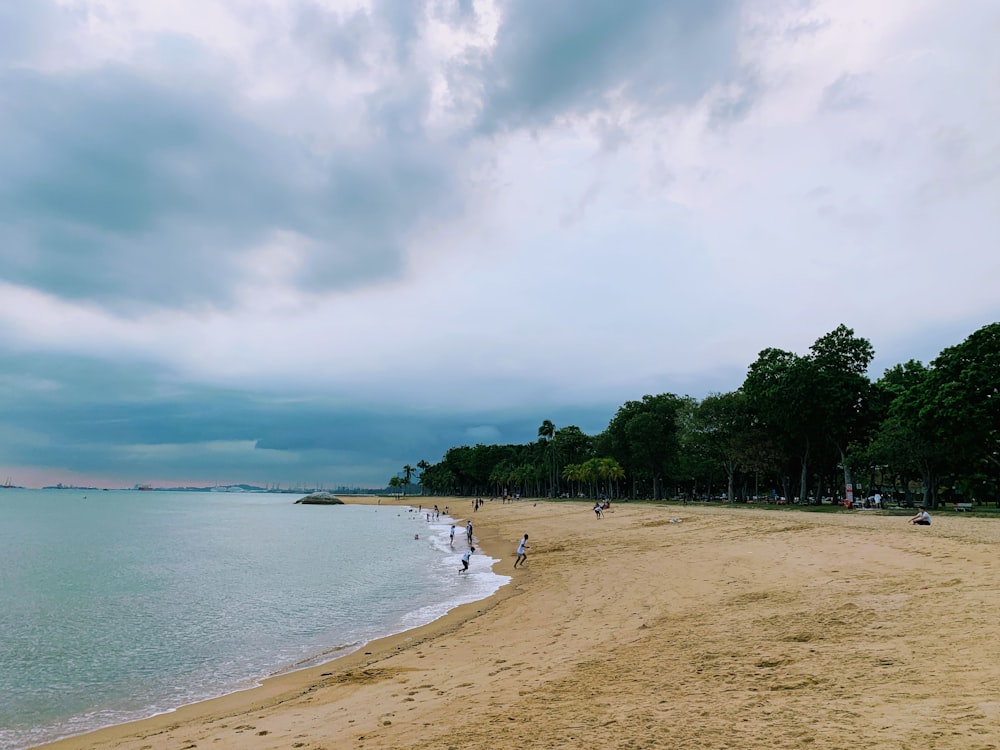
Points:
[[407, 475], [573, 473], [423, 466], [547, 431], [610, 470], [395, 482]]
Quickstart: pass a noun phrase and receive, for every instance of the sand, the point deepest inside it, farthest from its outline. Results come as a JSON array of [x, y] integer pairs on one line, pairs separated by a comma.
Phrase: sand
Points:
[[734, 628]]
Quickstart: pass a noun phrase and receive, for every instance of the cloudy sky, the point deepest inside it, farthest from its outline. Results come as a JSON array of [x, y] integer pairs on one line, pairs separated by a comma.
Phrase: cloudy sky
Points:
[[308, 241]]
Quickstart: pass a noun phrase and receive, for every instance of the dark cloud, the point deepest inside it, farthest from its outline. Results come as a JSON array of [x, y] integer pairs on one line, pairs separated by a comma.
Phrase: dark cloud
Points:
[[132, 193], [135, 421], [136, 193], [563, 57]]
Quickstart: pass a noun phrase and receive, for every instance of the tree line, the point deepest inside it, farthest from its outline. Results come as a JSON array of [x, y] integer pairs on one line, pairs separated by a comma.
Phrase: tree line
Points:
[[801, 427]]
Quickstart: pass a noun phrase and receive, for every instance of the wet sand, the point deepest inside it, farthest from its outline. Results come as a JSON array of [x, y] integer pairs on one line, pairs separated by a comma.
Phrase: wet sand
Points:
[[733, 628]]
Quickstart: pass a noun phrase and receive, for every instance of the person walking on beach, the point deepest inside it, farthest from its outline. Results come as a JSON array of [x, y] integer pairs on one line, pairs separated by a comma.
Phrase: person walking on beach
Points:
[[923, 518], [465, 560], [452, 535], [522, 556], [468, 532], [597, 509]]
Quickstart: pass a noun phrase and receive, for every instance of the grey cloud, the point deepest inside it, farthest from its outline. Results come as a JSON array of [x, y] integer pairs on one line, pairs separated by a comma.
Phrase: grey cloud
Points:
[[558, 57], [403, 23], [131, 193], [737, 102], [458, 12], [136, 421], [344, 39], [801, 29], [350, 38], [846, 93]]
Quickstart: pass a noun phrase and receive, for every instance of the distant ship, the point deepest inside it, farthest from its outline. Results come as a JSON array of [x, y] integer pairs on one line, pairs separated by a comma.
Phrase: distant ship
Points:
[[8, 485], [143, 487]]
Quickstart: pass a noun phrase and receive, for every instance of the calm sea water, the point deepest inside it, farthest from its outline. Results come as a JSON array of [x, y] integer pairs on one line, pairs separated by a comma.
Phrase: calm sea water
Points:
[[120, 605]]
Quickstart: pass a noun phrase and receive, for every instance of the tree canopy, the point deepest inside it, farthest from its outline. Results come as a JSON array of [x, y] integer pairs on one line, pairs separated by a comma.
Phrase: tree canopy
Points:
[[812, 422]]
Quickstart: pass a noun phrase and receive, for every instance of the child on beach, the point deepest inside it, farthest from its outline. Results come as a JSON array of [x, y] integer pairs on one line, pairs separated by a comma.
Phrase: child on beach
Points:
[[465, 560], [522, 556]]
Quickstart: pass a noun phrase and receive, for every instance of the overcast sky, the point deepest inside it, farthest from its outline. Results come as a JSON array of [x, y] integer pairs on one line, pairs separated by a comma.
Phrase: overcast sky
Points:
[[308, 241]]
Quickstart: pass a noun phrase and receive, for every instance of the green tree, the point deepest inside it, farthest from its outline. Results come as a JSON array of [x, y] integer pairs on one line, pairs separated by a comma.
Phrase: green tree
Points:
[[722, 421], [610, 472], [963, 399], [842, 390], [407, 476], [547, 432], [813, 402], [779, 393], [423, 466], [907, 440], [643, 438], [573, 473], [572, 445]]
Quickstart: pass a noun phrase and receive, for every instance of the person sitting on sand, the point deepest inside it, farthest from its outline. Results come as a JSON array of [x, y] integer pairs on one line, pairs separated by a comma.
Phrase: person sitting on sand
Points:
[[923, 518], [465, 560]]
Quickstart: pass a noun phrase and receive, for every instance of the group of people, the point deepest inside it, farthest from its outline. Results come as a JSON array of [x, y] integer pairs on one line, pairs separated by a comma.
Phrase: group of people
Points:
[[432, 515], [468, 534]]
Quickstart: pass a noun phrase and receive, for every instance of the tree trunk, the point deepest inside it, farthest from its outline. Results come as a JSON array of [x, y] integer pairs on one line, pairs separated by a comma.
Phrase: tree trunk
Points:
[[804, 480], [804, 476], [847, 474]]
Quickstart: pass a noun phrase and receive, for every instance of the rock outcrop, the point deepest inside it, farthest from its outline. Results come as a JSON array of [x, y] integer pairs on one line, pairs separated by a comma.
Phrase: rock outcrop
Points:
[[319, 498]]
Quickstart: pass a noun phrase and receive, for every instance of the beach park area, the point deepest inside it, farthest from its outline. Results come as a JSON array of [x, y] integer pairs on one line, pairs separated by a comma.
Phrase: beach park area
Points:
[[659, 626]]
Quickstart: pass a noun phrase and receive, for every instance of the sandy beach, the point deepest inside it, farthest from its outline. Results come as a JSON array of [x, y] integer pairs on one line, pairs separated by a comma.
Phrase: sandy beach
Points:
[[660, 627]]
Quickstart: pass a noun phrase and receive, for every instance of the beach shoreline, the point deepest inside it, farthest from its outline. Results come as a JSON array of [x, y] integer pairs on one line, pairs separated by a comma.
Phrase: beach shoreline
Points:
[[271, 690], [657, 626]]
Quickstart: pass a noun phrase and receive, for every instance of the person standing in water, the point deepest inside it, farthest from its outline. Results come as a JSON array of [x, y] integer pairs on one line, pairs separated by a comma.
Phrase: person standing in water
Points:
[[468, 532], [522, 556], [452, 535], [465, 560]]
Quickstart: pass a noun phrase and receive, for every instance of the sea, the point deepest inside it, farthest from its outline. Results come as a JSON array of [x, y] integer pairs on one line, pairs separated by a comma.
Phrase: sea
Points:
[[119, 605]]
